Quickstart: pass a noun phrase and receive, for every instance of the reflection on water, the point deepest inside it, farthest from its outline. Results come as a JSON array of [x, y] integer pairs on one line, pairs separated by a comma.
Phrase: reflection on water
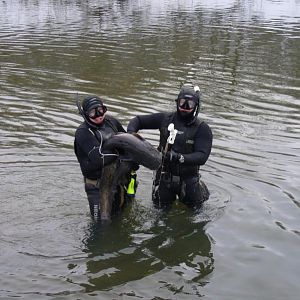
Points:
[[136, 54], [130, 250]]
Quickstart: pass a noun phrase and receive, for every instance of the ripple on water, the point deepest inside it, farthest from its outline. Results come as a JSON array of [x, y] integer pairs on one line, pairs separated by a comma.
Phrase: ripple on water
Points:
[[136, 55]]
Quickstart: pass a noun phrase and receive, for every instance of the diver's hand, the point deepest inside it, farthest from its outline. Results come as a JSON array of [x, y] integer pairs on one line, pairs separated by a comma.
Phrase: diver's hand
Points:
[[108, 157], [134, 166], [172, 157]]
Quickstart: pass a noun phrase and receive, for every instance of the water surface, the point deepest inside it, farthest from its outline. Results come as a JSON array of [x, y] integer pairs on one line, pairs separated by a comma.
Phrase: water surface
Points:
[[244, 55]]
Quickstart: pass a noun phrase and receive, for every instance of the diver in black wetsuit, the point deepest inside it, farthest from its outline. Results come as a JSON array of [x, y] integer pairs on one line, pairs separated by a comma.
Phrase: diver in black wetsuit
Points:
[[179, 174], [89, 139]]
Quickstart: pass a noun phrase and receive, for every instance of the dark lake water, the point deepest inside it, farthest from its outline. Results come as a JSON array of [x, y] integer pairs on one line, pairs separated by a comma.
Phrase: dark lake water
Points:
[[244, 55]]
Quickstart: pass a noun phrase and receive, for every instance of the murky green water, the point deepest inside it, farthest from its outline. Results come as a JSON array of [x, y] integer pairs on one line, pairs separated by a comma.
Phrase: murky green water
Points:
[[245, 57]]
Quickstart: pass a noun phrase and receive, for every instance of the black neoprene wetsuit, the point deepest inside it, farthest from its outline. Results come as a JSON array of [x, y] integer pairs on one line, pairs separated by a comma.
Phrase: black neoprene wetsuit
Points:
[[194, 142], [88, 146], [88, 149]]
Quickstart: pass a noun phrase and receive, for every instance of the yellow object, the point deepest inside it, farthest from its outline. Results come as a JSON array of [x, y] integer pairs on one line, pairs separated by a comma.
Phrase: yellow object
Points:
[[132, 185]]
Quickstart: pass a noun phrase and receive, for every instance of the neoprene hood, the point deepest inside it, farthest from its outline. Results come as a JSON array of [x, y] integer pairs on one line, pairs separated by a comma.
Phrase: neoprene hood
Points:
[[189, 93], [91, 102]]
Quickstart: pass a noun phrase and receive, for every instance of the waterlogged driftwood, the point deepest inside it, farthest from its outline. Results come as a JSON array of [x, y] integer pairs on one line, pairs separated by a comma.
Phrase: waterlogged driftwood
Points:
[[136, 148], [115, 176], [112, 194]]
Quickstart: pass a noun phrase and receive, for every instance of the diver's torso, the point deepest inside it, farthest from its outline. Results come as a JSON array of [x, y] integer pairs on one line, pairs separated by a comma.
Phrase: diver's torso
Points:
[[183, 144]]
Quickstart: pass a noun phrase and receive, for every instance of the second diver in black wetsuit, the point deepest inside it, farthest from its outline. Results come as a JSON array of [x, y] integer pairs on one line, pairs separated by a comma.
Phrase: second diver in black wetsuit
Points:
[[179, 173]]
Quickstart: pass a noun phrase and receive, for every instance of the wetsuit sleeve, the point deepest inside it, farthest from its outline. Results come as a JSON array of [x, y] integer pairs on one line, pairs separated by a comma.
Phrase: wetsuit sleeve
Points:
[[89, 146], [153, 121], [118, 125], [202, 146]]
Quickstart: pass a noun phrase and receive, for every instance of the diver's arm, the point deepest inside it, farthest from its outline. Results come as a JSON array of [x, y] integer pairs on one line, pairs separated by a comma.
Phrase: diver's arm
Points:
[[117, 124], [202, 146], [152, 121], [90, 146]]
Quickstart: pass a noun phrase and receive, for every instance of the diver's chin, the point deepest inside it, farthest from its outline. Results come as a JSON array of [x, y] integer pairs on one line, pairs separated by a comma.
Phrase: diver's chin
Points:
[[185, 114]]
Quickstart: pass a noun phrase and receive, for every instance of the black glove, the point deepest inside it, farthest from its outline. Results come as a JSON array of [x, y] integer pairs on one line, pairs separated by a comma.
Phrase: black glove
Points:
[[172, 156], [109, 157], [134, 166]]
